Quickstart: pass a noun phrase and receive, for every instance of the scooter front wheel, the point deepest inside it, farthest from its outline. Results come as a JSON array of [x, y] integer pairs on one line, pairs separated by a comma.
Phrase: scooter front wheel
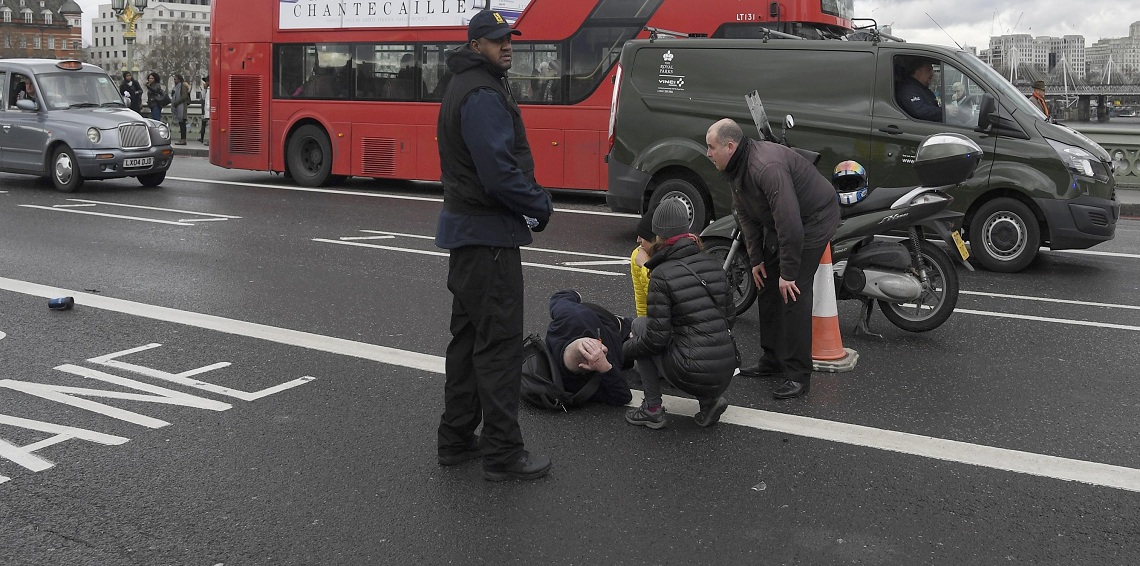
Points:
[[939, 295], [739, 272]]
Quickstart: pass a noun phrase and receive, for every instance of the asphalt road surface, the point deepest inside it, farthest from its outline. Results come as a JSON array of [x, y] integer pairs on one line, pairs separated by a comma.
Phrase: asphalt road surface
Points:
[[252, 374]]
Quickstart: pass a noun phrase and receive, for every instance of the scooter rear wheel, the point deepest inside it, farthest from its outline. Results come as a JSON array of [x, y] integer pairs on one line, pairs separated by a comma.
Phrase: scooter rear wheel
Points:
[[739, 273], [938, 297]]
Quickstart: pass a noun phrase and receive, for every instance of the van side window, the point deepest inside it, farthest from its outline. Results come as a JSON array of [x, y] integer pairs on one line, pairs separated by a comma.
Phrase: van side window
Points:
[[916, 82], [962, 96]]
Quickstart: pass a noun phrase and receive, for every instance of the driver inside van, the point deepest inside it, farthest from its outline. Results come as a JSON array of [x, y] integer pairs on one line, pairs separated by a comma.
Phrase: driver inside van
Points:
[[914, 94]]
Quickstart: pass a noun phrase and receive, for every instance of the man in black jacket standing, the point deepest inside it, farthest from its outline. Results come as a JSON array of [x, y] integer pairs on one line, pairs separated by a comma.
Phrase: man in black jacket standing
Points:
[[491, 203], [788, 213]]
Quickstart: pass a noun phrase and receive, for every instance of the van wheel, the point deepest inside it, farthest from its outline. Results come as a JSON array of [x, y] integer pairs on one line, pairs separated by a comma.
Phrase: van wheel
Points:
[[689, 195], [65, 170], [309, 156], [1004, 235]]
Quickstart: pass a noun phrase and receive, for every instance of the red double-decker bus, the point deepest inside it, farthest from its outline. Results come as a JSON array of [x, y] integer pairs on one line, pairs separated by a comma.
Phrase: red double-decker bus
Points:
[[325, 89]]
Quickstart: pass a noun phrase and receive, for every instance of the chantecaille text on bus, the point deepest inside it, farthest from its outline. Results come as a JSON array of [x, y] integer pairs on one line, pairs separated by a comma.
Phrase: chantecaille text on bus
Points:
[[319, 14]]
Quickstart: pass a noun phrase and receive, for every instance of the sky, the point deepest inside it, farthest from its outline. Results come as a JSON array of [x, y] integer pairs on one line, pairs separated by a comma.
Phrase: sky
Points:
[[972, 22], [967, 22]]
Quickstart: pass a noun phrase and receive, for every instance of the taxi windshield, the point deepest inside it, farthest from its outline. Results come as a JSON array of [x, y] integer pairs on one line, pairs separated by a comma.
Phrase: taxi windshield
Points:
[[78, 90]]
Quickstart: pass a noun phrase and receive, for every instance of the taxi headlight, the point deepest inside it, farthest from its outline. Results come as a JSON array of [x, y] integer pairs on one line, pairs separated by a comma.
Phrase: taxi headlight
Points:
[[93, 135], [163, 131]]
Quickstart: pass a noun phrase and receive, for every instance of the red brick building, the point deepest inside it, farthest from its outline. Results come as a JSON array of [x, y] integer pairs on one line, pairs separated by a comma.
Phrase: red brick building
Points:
[[51, 29]]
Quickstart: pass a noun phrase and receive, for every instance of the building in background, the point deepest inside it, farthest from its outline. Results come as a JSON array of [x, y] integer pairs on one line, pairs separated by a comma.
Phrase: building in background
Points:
[[108, 50], [1116, 60], [1021, 57], [51, 29]]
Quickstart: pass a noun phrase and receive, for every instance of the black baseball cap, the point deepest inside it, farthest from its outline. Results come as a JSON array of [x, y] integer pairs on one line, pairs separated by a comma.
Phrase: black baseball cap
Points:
[[489, 24]]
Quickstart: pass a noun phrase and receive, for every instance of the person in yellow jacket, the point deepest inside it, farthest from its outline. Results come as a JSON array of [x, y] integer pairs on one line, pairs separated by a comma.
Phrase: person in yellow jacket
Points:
[[637, 270]]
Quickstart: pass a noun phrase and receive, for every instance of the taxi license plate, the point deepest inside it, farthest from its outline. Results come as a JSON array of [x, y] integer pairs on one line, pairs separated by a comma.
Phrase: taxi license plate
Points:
[[960, 245], [138, 162]]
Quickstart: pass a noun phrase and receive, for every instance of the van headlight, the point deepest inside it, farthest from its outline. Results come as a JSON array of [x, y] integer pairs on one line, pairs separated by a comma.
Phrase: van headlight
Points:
[[93, 135], [1077, 160]]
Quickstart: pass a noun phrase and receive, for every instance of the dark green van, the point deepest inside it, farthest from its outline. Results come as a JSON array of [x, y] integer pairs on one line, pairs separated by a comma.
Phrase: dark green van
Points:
[[1040, 183]]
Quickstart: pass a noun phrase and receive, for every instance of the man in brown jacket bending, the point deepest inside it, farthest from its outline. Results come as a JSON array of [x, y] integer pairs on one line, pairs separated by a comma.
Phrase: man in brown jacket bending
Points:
[[788, 212]]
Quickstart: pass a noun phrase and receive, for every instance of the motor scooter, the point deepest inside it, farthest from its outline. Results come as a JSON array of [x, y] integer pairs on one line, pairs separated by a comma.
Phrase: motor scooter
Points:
[[913, 280]]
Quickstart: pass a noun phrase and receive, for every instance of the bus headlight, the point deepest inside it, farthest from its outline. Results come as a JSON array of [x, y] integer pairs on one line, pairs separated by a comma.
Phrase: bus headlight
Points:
[[93, 135]]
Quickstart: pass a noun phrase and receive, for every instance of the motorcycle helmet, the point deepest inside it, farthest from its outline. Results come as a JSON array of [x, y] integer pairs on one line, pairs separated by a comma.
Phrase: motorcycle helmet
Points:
[[850, 182]]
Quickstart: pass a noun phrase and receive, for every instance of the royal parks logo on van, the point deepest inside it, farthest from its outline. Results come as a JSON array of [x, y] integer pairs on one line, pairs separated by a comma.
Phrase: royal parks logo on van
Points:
[[668, 81]]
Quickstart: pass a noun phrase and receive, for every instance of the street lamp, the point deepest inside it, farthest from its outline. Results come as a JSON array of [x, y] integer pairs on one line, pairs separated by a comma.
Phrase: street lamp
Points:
[[129, 12]]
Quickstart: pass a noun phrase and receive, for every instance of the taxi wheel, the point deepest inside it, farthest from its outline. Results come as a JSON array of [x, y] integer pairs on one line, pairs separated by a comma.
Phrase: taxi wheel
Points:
[[65, 170], [153, 179]]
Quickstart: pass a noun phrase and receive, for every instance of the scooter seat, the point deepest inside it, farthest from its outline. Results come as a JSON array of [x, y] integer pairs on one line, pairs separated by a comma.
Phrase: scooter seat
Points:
[[877, 199]]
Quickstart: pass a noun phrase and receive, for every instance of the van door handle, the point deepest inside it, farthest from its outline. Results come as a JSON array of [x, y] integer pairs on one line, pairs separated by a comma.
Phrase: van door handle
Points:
[[892, 130]]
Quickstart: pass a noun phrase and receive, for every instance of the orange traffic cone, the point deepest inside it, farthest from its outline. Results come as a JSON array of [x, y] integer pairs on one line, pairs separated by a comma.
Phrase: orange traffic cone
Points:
[[827, 351]]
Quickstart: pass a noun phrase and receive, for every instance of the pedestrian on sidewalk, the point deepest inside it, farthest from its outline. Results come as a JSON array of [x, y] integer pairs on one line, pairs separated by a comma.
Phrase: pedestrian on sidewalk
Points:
[[179, 101], [202, 133]]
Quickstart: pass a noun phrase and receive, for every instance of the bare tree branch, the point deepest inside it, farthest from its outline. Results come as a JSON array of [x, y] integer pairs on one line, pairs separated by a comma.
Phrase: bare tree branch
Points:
[[177, 49]]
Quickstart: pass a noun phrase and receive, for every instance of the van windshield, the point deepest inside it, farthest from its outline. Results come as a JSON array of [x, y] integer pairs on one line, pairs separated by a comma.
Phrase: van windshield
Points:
[[71, 89], [1007, 94]]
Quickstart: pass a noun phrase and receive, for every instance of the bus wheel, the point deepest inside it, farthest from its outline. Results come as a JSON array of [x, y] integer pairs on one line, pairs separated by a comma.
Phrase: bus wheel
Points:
[[688, 194], [309, 156]]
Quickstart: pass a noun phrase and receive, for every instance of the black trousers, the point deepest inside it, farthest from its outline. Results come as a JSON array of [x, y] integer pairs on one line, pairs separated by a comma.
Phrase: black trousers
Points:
[[484, 358], [182, 130], [205, 128], [785, 329]]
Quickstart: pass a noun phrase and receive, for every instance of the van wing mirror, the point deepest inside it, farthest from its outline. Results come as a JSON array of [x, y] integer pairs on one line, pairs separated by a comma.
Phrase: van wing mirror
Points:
[[986, 111], [789, 122], [992, 121]]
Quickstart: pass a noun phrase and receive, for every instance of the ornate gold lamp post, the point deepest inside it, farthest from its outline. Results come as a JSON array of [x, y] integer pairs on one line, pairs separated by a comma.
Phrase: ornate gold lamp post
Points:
[[129, 12]]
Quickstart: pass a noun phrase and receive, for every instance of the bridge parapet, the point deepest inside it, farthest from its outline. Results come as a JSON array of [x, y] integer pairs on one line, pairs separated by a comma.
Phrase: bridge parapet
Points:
[[1123, 144]]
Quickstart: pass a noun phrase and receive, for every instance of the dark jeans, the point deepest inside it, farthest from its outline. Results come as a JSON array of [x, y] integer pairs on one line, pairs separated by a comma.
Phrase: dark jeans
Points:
[[484, 358], [156, 112], [785, 329], [205, 128], [651, 369]]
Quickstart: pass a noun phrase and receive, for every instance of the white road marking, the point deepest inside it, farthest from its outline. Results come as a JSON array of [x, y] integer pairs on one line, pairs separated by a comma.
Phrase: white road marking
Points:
[[1091, 252], [1049, 319], [104, 214], [445, 254], [1067, 469], [1049, 300], [374, 195], [350, 238], [194, 212], [599, 262], [529, 248], [72, 205]]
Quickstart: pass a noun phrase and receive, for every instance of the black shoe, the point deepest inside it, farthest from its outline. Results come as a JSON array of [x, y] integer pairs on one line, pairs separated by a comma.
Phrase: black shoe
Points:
[[470, 452], [710, 415], [791, 389], [760, 370], [526, 466]]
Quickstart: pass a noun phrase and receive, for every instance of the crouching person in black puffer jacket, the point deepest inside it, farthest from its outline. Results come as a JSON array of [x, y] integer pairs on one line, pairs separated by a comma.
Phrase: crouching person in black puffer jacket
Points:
[[685, 334]]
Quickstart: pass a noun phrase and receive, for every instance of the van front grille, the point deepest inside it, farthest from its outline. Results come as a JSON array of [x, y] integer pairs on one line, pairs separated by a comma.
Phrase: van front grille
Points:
[[134, 136]]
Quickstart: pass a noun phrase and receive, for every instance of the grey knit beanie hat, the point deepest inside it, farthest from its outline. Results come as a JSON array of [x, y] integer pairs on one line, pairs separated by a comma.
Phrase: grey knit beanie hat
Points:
[[670, 218]]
